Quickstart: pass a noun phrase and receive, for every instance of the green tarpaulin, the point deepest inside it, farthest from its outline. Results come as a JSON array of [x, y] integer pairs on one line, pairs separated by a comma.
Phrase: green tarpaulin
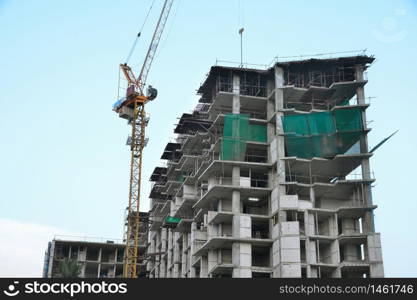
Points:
[[323, 134], [236, 132]]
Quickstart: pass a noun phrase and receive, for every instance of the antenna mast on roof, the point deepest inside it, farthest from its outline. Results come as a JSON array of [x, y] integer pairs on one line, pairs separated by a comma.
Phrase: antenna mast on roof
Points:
[[241, 30], [241, 24]]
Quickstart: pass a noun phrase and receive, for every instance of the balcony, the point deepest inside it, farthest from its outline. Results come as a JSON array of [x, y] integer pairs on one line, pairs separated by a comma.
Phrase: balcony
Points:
[[343, 190], [259, 190], [227, 242], [341, 165]]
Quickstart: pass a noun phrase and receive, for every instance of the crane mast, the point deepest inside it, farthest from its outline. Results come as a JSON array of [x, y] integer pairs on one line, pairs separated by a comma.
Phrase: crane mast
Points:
[[132, 107]]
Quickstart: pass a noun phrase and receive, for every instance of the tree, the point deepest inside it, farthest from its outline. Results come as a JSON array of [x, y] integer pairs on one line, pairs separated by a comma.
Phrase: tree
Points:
[[69, 268]]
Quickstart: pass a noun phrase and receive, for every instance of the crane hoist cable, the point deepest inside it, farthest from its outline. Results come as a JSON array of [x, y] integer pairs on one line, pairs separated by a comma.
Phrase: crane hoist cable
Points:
[[139, 34]]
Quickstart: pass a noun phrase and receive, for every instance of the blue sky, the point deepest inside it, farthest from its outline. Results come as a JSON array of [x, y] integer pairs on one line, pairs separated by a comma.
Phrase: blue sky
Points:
[[63, 160]]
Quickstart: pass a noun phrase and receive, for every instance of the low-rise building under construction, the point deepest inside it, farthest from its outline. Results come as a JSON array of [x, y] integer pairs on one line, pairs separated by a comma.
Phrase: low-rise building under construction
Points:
[[95, 257]]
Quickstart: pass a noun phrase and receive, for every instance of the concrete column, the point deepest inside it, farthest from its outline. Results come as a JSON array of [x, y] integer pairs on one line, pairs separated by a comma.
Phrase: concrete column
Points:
[[280, 141], [212, 229], [277, 151], [184, 261], [236, 202], [236, 94], [242, 252], [312, 197], [236, 169], [212, 181], [366, 169], [204, 267], [310, 224], [51, 259], [236, 176], [336, 225], [162, 267], [350, 252], [149, 265], [335, 258], [164, 235], [270, 127], [242, 226], [242, 260], [82, 273], [168, 274], [238, 249], [310, 255], [374, 251], [236, 194], [192, 272], [360, 95], [290, 250], [176, 249], [157, 269], [176, 271], [276, 256], [279, 105], [192, 245], [211, 259], [152, 246], [348, 226]]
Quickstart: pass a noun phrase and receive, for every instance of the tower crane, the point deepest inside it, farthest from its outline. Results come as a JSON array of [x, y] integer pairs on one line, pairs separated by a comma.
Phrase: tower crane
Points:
[[132, 108]]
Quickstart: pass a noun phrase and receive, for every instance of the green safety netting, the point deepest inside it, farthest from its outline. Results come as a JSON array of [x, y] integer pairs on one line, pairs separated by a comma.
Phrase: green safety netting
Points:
[[257, 133], [323, 134], [182, 176], [236, 132], [344, 102]]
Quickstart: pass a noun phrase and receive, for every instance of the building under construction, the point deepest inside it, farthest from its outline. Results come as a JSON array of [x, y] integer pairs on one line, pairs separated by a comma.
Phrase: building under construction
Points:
[[96, 258], [269, 176]]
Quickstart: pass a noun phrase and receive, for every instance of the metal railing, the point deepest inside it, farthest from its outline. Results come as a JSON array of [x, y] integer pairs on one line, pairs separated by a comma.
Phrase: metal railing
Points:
[[259, 183], [254, 182], [321, 104], [225, 84], [327, 179], [252, 114], [246, 65], [260, 234], [87, 239], [278, 59], [256, 158]]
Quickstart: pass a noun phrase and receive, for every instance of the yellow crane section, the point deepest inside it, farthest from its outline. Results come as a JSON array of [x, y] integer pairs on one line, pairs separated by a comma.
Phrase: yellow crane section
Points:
[[132, 107]]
